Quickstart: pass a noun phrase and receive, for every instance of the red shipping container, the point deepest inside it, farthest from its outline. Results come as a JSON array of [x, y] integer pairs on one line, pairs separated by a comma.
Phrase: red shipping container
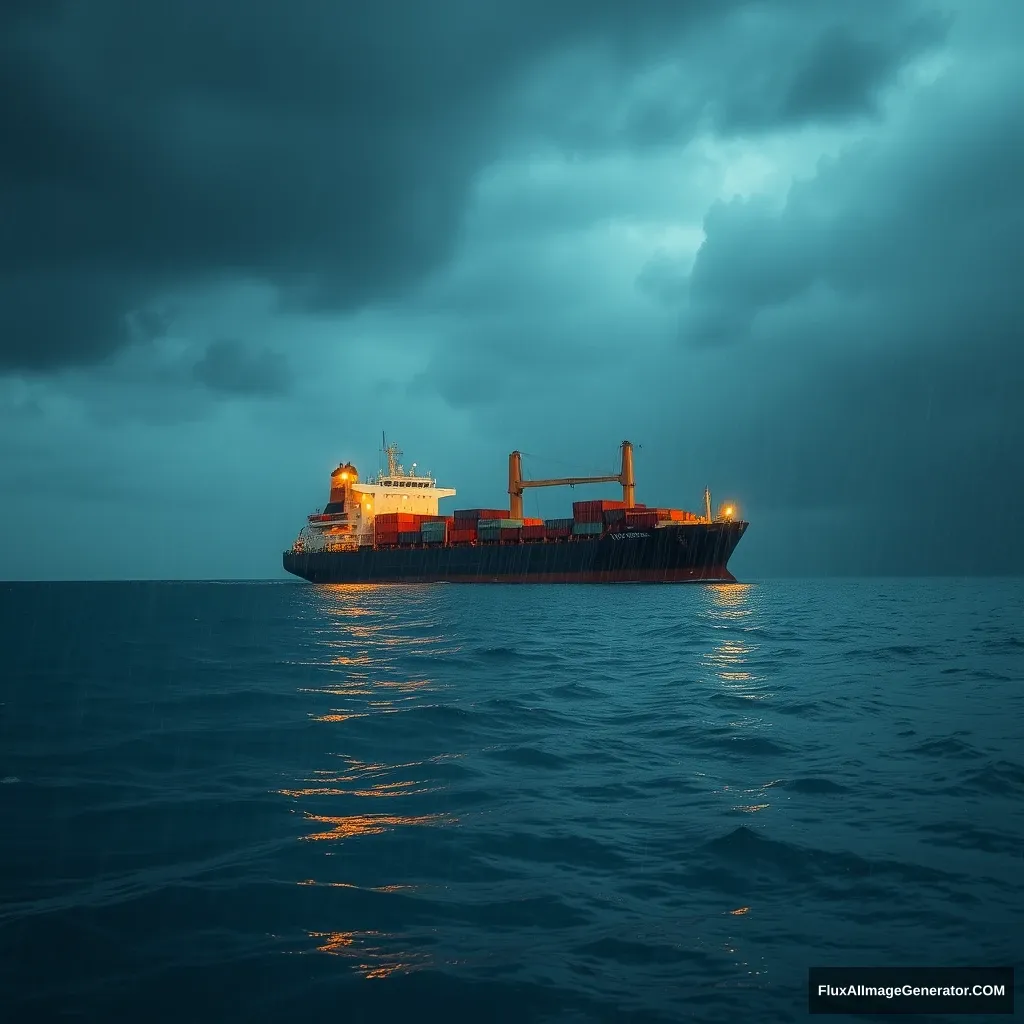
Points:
[[473, 514], [461, 536], [533, 522], [510, 533], [645, 520], [593, 511], [533, 531], [552, 532], [405, 519]]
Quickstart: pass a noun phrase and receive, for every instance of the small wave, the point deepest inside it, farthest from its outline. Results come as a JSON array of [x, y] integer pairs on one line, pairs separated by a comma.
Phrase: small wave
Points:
[[815, 786], [748, 850], [948, 746], [529, 757], [999, 777]]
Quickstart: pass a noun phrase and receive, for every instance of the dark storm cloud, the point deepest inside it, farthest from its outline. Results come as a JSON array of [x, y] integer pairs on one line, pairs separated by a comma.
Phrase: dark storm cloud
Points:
[[754, 68], [322, 147], [229, 366], [871, 330], [929, 220], [836, 73]]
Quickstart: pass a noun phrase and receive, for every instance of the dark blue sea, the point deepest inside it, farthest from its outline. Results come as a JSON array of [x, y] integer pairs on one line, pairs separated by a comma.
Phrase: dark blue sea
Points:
[[277, 802]]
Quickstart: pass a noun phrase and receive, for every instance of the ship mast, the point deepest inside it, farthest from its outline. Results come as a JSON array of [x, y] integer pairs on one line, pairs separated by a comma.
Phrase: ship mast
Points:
[[393, 453]]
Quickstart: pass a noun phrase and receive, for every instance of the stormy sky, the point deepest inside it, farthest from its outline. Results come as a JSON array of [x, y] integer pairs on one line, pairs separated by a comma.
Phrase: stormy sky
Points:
[[775, 244]]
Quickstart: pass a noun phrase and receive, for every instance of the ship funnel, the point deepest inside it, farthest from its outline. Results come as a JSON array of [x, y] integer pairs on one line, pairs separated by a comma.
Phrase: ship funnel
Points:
[[341, 480]]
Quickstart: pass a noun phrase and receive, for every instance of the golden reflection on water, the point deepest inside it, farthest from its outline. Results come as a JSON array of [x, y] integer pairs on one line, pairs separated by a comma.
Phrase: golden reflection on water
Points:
[[366, 654], [352, 825], [369, 958], [734, 611], [733, 608]]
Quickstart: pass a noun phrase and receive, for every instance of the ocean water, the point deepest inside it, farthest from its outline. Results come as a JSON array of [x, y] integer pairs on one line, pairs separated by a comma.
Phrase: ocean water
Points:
[[273, 802]]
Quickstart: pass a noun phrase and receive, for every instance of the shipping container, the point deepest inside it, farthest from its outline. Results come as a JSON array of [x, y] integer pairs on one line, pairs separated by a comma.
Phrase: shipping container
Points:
[[510, 533], [556, 532], [506, 524], [409, 537], [461, 536], [399, 519], [559, 524], [480, 513], [533, 522], [394, 518], [594, 511], [533, 532], [438, 526], [586, 529], [385, 538], [614, 515], [647, 519]]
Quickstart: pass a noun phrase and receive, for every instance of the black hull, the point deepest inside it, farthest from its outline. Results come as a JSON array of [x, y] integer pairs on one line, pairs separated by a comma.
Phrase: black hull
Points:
[[688, 553]]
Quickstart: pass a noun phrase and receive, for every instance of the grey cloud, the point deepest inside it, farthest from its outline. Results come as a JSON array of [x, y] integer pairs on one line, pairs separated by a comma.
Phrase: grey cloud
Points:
[[663, 279], [229, 366], [325, 149], [911, 223], [882, 308], [754, 68], [837, 73]]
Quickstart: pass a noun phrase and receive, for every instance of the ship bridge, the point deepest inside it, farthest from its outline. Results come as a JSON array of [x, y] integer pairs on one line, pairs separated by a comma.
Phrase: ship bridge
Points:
[[347, 519]]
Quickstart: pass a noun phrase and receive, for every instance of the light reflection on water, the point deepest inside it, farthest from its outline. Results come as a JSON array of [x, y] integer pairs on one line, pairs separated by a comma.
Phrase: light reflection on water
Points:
[[367, 954], [735, 610], [369, 660]]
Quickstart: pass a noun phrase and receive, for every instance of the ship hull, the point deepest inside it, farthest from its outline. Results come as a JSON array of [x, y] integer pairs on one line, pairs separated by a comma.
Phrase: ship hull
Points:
[[687, 553]]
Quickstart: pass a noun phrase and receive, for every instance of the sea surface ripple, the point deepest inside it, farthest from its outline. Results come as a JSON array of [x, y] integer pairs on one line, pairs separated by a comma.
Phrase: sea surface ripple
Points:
[[272, 801]]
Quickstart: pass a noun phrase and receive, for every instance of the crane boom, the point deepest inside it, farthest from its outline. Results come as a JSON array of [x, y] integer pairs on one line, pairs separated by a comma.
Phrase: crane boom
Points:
[[516, 483]]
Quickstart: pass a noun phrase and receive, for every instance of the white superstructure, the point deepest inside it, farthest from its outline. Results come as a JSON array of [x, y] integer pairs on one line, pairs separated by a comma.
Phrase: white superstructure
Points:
[[395, 491], [347, 521]]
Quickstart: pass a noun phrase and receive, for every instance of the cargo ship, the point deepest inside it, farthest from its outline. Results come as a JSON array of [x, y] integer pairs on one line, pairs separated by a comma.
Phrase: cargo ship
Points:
[[389, 530]]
